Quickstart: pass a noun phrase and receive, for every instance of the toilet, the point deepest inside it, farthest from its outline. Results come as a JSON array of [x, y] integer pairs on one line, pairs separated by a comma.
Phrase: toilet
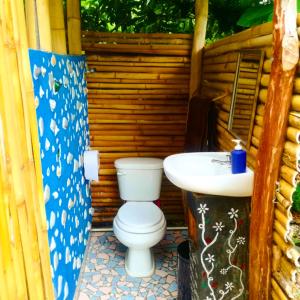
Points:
[[139, 223]]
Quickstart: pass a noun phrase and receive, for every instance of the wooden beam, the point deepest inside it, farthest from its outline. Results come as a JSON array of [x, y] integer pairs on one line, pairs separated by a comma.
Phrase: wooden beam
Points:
[[285, 46], [58, 33], [74, 26], [201, 15]]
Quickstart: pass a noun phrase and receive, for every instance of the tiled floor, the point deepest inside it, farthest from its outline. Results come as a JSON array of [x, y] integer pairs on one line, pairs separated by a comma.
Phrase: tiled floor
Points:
[[103, 276]]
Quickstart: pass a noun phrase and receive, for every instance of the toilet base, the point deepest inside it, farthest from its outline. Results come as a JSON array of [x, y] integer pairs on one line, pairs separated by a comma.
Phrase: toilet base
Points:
[[139, 262]]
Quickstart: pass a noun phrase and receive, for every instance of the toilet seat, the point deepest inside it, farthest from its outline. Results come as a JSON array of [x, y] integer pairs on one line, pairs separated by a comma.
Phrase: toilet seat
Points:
[[140, 217]]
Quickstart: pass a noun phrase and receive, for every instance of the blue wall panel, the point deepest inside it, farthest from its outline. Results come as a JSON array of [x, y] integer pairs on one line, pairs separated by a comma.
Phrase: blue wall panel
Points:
[[61, 106]]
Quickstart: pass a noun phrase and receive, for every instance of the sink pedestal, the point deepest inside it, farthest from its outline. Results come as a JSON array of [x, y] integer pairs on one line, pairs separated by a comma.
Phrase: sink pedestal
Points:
[[219, 256]]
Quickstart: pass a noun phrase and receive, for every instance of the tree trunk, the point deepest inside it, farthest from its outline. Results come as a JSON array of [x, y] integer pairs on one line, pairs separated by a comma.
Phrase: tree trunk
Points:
[[285, 46]]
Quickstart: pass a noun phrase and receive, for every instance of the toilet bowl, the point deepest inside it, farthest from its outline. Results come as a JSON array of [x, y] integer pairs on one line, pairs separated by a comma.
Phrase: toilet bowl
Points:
[[139, 223]]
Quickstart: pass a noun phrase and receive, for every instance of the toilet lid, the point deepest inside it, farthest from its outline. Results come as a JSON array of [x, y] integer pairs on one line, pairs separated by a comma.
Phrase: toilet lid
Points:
[[140, 217]]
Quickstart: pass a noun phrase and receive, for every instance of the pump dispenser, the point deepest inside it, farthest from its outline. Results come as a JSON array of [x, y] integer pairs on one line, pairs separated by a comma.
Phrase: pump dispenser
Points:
[[238, 158]]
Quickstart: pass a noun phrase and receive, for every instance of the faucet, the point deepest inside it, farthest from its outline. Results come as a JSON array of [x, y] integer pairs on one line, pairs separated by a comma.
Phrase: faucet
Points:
[[222, 162]]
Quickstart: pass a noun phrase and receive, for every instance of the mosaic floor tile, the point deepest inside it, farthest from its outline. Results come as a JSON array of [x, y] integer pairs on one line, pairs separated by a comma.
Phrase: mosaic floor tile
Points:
[[103, 274]]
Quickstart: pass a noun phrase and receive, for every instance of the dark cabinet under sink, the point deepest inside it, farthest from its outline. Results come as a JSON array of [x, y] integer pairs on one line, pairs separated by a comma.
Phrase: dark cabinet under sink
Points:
[[219, 231]]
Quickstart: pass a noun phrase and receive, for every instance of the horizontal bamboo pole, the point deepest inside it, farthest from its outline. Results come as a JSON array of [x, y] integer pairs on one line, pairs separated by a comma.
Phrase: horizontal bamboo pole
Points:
[[288, 269], [138, 35], [163, 102], [294, 119], [278, 290], [137, 58], [283, 219], [226, 77], [143, 92], [95, 95], [260, 30], [165, 50], [295, 99], [259, 120], [99, 117], [265, 78], [225, 87], [140, 69], [150, 110], [290, 160], [220, 68], [277, 254], [142, 127], [289, 174], [286, 189], [136, 86], [292, 148], [136, 41], [293, 134], [119, 48], [140, 108], [221, 59], [287, 286], [274, 295], [181, 65], [283, 201], [129, 138], [255, 42], [137, 75]]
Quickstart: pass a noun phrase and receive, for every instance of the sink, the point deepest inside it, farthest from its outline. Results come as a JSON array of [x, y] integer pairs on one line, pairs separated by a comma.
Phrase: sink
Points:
[[204, 172]]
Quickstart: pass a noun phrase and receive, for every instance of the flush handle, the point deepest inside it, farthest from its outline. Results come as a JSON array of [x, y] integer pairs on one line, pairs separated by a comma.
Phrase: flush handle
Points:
[[120, 173]]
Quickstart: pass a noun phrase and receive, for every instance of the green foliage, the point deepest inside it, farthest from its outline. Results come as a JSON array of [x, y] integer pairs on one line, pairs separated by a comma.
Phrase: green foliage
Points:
[[296, 199], [138, 15], [258, 12]]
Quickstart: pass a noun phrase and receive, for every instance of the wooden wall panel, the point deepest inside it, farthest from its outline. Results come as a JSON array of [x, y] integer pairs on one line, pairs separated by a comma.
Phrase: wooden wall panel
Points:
[[138, 99]]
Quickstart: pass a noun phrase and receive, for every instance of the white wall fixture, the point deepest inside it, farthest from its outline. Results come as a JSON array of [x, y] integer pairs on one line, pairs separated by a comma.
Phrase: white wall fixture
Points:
[[91, 164]]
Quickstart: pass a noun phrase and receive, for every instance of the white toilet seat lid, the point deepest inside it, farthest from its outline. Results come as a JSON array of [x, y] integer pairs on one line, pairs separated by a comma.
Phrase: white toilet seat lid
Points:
[[140, 217]]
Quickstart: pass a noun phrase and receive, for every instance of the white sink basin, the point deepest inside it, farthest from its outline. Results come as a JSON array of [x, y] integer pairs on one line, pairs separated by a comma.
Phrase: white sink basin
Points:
[[198, 172]]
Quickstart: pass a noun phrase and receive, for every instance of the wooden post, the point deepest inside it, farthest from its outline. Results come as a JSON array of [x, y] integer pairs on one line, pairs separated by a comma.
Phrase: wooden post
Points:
[[285, 46], [74, 26], [44, 29], [58, 33], [201, 15]]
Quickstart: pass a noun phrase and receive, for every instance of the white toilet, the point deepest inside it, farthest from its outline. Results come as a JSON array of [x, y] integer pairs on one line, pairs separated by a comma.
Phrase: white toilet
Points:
[[139, 223]]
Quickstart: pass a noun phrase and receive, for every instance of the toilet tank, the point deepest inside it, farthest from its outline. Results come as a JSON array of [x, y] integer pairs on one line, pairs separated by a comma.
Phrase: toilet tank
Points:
[[139, 178]]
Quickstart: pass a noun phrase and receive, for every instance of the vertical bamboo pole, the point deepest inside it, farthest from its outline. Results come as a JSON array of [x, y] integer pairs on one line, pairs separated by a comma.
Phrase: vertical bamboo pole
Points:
[[33, 145], [21, 193], [74, 26], [201, 15], [58, 33], [285, 46], [43, 19], [31, 24]]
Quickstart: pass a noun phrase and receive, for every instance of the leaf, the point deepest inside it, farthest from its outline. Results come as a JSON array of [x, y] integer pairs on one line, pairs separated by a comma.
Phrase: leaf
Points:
[[256, 15]]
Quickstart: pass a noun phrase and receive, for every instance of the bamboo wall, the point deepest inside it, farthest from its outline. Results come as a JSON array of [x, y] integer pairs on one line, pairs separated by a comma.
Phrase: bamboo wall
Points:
[[137, 98], [24, 251], [219, 66]]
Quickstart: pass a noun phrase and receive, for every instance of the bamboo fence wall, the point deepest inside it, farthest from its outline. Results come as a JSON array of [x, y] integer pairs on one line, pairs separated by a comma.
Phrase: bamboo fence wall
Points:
[[24, 251], [219, 66], [138, 99]]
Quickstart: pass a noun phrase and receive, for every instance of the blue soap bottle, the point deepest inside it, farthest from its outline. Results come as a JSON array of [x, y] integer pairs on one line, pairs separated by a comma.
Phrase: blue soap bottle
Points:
[[238, 159]]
